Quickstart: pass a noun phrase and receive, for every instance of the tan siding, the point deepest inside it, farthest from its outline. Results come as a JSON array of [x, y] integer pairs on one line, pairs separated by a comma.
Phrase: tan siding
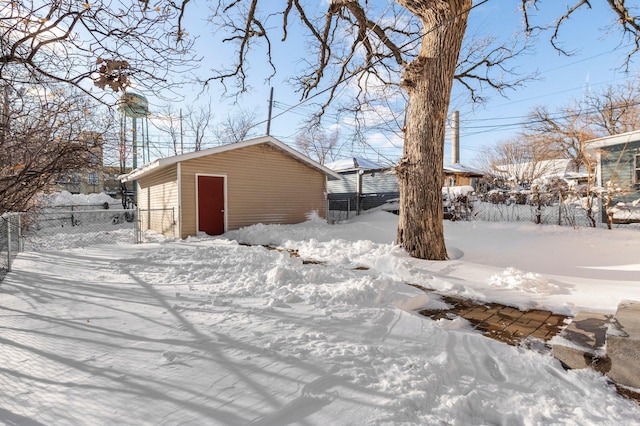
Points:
[[264, 185], [159, 191]]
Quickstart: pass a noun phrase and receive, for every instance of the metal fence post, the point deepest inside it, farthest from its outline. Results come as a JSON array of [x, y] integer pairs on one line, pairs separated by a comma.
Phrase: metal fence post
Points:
[[136, 228], [20, 242], [560, 209], [8, 244]]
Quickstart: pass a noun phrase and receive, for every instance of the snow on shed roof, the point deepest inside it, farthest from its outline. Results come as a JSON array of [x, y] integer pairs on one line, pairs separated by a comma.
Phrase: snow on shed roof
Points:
[[354, 163], [460, 168]]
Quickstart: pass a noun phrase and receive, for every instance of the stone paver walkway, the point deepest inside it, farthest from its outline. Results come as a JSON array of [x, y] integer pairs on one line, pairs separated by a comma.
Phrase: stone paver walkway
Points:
[[500, 322]]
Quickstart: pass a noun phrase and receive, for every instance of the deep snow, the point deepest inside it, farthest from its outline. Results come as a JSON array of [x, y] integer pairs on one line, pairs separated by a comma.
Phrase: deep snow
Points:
[[209, 331]]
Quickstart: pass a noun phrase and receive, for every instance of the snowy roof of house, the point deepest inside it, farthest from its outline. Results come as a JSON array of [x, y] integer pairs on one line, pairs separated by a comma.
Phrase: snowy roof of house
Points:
[[164, 162], [543, 169], [611, 140], [460, 168], [354, 163]]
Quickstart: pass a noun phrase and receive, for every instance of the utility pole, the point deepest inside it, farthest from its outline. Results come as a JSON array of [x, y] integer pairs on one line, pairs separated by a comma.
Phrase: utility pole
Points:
[[270, 110], [5, 121], [455, 137]]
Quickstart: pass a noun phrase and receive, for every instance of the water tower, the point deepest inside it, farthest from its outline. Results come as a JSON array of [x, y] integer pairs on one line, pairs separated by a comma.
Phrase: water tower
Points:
[[134, 128], [134, 133]]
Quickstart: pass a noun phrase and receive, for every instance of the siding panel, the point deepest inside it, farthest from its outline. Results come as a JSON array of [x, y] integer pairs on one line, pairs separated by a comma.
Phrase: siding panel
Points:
[[264, 185], [159, 191]]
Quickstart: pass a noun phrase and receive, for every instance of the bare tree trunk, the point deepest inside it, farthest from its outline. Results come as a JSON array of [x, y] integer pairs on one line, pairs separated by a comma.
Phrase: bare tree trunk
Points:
[[428, 81]]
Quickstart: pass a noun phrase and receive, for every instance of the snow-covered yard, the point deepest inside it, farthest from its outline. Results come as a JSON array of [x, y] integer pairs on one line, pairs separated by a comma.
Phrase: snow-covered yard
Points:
[[210, 331]]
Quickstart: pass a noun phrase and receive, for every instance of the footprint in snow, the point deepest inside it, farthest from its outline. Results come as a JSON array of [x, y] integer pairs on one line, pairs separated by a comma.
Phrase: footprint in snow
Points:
[[170, 357], [494, 369]]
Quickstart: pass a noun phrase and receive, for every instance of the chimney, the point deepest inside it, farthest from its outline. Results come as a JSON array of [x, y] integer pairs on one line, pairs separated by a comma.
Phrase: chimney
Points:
[[455, 137]]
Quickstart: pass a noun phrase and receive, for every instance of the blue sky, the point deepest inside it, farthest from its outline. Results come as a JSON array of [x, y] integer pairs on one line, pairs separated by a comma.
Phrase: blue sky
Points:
[[596, 64], [562, 80]]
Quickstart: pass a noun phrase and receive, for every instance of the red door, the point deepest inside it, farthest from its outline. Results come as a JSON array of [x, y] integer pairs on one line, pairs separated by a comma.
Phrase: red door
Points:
[[211, 204]]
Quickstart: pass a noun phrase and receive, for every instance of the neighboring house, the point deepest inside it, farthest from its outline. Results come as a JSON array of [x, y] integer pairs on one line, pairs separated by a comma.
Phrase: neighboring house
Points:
[[93, 181], [461, 175], [260, 180], [618, 164], [94, 177], [363, 184], [540, 171]]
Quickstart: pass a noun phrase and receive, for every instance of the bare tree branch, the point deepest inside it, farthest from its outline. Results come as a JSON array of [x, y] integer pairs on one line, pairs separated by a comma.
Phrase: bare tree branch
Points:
[[109, 43]]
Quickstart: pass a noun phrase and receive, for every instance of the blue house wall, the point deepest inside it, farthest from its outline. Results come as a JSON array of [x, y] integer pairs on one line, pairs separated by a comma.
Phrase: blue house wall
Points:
[[619, 164]]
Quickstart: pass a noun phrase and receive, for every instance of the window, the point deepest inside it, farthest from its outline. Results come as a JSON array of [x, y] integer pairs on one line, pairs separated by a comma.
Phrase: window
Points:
[[92, 178], [93, 158], [636, 170]]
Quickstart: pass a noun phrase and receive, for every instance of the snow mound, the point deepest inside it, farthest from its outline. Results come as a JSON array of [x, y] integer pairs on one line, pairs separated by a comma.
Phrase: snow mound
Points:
[[512, 278], [65, 198]]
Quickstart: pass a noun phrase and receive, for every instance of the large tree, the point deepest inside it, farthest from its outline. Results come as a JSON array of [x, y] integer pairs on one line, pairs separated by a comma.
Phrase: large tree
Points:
[[317, 144], [563, 133], [615, 109], [47, 133], [365, 45], [236, 127], [186, 130], [381, 44], [520, 160]]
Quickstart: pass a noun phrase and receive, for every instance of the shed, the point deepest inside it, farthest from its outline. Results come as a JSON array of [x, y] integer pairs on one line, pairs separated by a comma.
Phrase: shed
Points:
[[461, 175], [364, 184], [260, 180]]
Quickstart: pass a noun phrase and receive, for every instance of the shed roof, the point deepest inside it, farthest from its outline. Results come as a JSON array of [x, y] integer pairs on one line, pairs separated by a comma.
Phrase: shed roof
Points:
[[458, 168], [354, 163], [611, 140], [161, 163]]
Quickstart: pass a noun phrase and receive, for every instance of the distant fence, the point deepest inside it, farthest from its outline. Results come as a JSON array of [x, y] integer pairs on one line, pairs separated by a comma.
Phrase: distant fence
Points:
[[550, 208], [59, 228], [557, 214], [542, 208]]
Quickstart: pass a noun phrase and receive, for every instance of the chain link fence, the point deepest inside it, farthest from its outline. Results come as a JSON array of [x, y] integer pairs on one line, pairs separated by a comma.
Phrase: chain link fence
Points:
[[59, 228], [154, 222], [9, 241], [558, 214], [56, 229], [548, 208], [339, 210]]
